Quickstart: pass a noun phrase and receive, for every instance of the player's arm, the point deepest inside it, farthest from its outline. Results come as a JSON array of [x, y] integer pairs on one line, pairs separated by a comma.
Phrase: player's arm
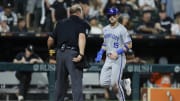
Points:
[[127, 46], [103, 46], [100, 53], [127, 42], [36, 60], [19, 58], [17, 61]]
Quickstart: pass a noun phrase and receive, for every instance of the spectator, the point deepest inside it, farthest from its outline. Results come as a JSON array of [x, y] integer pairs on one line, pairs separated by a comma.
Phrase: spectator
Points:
[[24, 77], [158, 4], [46, 21], [33, 8], [20, 7], [133, 4], [96, 28], [163, 24], [59, 11], [1, 8], [126, 21], [160, 79], [146, 26], [125, 8], [131, 58], [175, 28], [167, 5], [176, 6], [85, 6], [3, 25], [146, 5], [10, 15], [95, 8], [21, 27]]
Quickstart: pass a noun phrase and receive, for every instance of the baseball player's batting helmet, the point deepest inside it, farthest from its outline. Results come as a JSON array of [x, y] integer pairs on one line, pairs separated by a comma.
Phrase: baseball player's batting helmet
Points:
[[112, 11]]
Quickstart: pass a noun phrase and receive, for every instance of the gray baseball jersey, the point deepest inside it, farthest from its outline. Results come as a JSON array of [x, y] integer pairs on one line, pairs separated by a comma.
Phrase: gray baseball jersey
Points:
[[114, 39]]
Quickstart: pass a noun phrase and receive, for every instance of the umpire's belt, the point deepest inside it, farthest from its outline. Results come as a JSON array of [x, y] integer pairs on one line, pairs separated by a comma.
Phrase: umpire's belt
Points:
[[71, 48]]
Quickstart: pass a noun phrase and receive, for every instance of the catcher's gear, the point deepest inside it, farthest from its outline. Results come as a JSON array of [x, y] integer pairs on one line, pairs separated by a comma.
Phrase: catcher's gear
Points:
[[99, 55]]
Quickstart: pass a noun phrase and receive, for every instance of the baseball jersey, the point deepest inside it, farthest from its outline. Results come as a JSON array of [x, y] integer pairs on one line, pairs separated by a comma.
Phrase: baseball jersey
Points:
[[115, 37]]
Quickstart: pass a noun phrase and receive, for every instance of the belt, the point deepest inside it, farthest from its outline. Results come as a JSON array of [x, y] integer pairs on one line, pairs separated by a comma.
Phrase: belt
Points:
[[71, 48]]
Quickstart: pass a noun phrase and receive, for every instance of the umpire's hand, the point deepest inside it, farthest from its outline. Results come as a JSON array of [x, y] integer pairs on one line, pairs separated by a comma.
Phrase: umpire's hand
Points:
[[77, 59]]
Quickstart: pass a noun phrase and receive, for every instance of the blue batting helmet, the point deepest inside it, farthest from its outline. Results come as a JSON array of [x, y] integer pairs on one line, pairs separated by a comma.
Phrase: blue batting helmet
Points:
[[112, 11]]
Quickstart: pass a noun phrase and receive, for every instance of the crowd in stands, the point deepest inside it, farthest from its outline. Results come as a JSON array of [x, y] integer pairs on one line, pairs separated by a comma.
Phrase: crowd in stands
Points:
[[139, 16]]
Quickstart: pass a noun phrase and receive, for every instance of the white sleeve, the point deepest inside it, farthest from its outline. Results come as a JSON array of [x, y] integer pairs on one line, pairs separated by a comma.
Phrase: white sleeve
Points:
[[15, 18], [126, 35], [104, 41]]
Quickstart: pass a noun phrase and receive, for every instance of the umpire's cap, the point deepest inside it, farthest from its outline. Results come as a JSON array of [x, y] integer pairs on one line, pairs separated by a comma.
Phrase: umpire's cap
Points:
[[112, 11], [30, 48]]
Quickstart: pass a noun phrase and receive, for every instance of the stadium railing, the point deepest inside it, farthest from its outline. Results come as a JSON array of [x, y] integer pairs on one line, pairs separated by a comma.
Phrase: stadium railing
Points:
[[135, 69]]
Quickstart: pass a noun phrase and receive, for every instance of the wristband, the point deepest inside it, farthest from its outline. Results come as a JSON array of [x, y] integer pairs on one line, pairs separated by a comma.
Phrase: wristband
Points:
[[103, 44], [81, 55], [127, 48], [101, 51], [120, 51]]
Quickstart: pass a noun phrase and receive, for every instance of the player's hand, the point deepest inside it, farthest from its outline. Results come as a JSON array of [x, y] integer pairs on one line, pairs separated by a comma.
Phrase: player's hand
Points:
[[23, 60], [113, 55]]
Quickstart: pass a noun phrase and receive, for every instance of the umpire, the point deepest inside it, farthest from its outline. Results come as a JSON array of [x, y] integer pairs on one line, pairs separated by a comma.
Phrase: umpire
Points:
[[69, 36]]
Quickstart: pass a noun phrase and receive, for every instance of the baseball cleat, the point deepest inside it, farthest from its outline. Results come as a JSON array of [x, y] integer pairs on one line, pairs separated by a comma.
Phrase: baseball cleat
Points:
[[127, 86]]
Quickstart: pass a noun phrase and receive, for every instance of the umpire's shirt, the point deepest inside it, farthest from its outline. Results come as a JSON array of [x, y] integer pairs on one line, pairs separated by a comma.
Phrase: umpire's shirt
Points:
[[67, 32]]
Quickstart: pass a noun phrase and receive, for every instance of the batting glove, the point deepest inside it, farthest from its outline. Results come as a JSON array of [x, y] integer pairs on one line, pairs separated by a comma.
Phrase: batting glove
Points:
[[99, 55]]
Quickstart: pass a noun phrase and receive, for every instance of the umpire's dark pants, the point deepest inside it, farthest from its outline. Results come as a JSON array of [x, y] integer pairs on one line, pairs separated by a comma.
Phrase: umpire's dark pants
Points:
[[66, 66]]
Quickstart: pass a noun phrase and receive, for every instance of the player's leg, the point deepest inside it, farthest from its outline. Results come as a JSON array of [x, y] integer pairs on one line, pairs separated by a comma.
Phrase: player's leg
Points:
[[117, 71], [126, 83], [105, 77]]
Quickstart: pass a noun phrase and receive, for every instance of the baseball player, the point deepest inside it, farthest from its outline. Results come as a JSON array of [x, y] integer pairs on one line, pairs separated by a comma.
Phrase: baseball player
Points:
[[116, 42]]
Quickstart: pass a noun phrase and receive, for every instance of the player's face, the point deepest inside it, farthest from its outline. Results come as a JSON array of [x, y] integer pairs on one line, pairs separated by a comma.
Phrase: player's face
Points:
[[113, 18], [28, 53]]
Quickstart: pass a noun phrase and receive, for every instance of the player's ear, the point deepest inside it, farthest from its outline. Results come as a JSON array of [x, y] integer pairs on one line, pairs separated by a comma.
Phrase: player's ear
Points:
[[118, 16]]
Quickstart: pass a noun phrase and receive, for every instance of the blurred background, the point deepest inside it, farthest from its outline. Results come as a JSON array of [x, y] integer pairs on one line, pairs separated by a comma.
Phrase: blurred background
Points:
[[152, 64]]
